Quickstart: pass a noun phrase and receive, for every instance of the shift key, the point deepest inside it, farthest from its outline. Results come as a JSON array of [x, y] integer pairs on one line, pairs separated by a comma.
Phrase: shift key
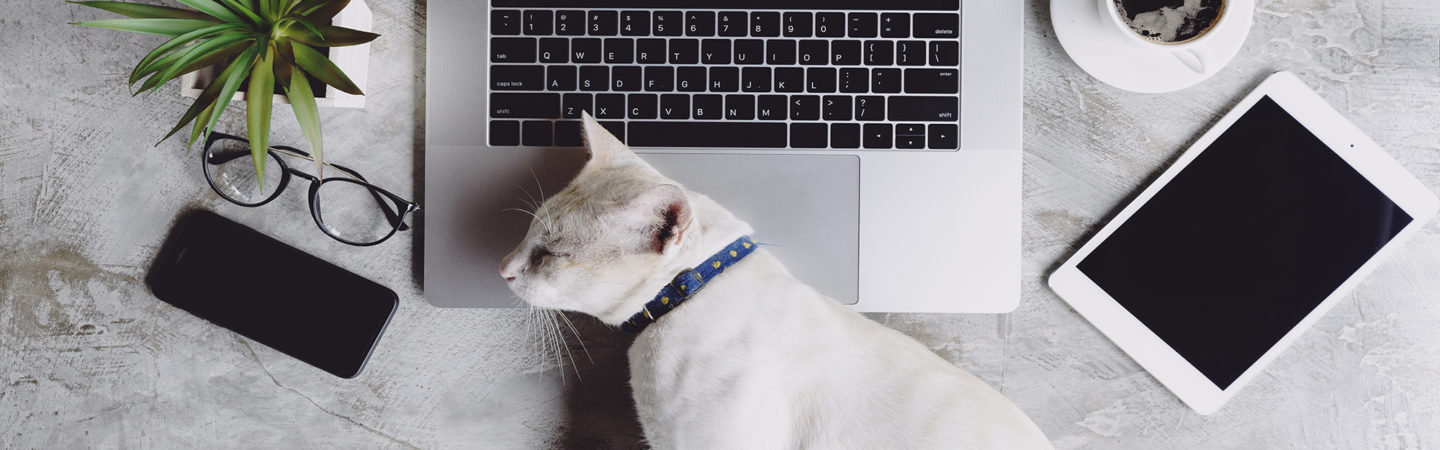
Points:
[[913, 108], [524, 106]]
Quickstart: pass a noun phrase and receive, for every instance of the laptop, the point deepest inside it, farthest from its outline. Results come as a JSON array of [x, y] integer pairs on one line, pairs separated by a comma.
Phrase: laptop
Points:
[[874, 146]]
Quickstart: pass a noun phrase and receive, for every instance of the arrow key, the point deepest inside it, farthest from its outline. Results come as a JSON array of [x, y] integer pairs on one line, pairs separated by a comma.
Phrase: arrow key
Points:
[[943, 137]]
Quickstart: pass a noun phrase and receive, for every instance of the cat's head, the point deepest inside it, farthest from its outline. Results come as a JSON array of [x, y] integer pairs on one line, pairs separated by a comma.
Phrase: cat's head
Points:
[[602, 239]]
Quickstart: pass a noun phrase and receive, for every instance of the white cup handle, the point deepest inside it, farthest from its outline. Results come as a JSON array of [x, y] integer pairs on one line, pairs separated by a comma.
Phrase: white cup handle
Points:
[[1198, 59]]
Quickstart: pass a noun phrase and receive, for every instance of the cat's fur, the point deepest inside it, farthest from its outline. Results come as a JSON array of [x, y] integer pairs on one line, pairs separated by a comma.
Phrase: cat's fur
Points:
[[757, 359]]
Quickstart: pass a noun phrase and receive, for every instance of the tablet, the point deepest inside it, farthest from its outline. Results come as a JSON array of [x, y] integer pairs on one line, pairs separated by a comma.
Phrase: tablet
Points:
[[1257, 229]]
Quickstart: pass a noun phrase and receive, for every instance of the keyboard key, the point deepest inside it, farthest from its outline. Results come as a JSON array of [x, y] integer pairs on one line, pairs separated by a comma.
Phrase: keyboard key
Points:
[[924, 109], [739, 107], [820, 79], [733, 24], [585, 50], [504, 22], [885, 81], [944, 53], [660, 79], [504, 132], [879, 53], [755, 79], [684, 51], [772, 107], [836, 108], [910, 53], [700, 23], [724, 79], [764, 24], [554, 50], [536, 133], [560, 78], [749, 51], [829, 24], [813, 52], [932, 81], [573, 104], [845, 53], [609, 106], [869, 108], [626, 78], [650, 51], [708, 106], [708, 134], [854, 81], [715, 51], [539, 23], [675, 106], [804, 107], [669, 23], [524, 106], [910, 135], [594, 78], [894, 25], [943, 136], [845, 135], [616, 128], [642, 106], [517, 78], [862, 25], [797, 24], [789, 79], [936, 25], [602, 23], [634, 23], [570, 23], [780, 52], [619, 51], [567, 133], [808, 135], [690, 79], [877, 135], [512, 50]]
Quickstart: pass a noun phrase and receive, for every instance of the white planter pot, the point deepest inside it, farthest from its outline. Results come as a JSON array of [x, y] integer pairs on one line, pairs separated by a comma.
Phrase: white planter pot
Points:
[[353, 60]]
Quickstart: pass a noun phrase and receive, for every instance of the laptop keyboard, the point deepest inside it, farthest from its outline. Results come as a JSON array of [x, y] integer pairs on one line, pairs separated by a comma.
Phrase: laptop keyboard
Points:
[[718, 78]]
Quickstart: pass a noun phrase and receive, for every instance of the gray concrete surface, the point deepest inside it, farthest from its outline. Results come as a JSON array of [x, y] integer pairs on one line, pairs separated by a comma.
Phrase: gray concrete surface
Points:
[[89, 359]]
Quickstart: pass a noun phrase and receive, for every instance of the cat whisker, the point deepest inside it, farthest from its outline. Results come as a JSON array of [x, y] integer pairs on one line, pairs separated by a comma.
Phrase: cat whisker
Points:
[[575, 332]]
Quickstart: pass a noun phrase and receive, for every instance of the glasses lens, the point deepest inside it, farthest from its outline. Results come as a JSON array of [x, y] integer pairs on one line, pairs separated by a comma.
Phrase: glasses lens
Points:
[[232, 172], [354, 212]]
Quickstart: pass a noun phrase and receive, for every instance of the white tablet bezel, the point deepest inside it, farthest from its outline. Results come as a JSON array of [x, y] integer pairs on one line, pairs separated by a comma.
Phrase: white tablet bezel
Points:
[[1152, 353]]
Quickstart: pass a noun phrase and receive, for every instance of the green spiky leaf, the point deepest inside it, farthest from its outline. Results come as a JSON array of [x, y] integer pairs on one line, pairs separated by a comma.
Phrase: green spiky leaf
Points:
[[190, 57], [176, 43], [213, 9], [210, 96], [139, 11], [242, 7], [302, 100], [322, 11], [232, 85], [315, 63], [330, 36], [163, 27], [258, 101]]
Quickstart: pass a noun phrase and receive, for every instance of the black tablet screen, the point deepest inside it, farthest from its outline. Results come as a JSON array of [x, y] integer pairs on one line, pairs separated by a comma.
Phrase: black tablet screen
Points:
[[1244, 242]]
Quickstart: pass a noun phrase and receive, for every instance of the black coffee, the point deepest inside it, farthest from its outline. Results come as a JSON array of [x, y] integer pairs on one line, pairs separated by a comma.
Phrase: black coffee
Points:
[[1170, 21]]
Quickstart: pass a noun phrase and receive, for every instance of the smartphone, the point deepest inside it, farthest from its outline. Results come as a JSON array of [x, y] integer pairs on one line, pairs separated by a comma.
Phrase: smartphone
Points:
[[272, 293]]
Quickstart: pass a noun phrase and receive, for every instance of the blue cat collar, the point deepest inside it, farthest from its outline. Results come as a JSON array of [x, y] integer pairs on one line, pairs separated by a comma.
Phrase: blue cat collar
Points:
[[687, 283]]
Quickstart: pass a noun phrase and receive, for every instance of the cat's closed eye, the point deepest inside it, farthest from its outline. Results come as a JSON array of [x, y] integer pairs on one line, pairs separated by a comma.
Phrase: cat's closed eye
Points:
[[541, 253]]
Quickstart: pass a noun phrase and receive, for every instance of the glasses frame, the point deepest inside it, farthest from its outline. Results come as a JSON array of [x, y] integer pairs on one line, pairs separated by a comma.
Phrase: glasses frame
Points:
[[396, 216]]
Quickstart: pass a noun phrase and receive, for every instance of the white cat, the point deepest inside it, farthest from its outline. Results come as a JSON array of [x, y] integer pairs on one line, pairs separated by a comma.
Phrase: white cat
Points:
[[756, 359]]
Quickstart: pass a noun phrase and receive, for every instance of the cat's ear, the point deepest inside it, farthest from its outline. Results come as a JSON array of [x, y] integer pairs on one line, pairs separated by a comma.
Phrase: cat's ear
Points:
[[666, 214], [605, 148]]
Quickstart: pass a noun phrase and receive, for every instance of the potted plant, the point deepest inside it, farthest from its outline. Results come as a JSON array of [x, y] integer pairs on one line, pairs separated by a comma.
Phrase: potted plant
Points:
[[262, 45]]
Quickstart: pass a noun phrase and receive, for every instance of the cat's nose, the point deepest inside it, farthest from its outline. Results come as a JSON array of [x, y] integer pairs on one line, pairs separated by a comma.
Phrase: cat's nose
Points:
[[509, 270]]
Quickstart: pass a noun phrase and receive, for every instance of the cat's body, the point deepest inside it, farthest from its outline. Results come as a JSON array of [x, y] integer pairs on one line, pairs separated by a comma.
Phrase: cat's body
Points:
[[757, 359]]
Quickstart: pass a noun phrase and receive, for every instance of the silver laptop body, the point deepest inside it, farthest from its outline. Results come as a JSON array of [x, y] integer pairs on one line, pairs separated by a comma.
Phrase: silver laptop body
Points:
[[913, 209]]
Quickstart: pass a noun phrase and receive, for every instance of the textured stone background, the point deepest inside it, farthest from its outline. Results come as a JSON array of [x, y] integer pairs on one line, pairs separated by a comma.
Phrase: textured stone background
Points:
[[89, 358]]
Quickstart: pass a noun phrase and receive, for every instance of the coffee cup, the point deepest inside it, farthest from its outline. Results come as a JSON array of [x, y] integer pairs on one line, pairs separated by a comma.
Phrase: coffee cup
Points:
[[1180, 27]]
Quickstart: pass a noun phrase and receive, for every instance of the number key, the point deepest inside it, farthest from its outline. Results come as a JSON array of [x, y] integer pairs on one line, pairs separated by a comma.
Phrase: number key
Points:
[[602, 23], [830, 24], [797, 24], [570, 23], [669, 23], [733, 23], [700, 23]]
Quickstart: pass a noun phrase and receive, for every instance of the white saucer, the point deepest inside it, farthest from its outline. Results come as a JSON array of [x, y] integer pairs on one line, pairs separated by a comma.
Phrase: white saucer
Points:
[[1098, 47]]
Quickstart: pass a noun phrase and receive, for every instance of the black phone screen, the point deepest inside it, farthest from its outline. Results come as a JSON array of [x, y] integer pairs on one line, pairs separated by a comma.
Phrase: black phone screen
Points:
[[267, 291]]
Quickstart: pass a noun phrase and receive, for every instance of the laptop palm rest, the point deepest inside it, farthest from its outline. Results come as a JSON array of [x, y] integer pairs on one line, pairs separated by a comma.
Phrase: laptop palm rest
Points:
[[806, 208]]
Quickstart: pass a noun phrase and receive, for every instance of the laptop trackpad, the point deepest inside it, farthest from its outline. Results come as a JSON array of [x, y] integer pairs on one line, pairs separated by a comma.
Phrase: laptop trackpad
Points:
[[805, 207]]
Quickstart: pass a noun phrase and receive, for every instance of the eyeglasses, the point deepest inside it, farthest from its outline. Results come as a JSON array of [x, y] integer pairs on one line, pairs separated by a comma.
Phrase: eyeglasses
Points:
[[346, 208]]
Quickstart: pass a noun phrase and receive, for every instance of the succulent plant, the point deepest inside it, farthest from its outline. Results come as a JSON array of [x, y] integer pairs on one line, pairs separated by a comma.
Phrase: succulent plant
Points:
[[272, 42]]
